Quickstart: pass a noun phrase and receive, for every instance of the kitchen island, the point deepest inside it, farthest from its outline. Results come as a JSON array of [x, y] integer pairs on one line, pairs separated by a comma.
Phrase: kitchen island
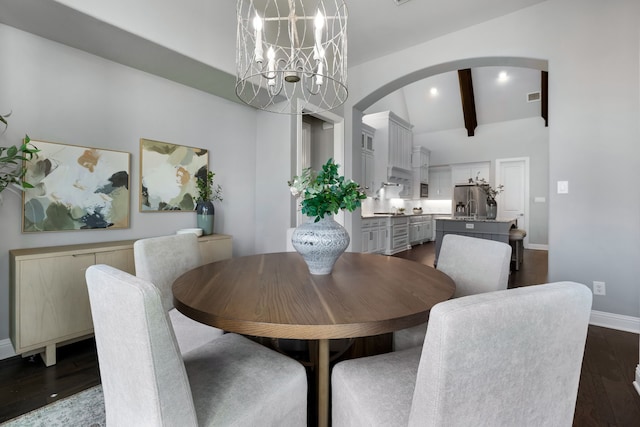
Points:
[[492, 229]]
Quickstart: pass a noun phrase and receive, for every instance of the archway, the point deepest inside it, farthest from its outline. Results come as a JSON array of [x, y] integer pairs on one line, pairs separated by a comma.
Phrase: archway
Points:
[[371, 98]]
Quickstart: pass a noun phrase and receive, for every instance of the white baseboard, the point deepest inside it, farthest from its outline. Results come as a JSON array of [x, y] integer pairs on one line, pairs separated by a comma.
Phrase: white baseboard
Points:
[[6, 349], [615, 321], [537, 247]]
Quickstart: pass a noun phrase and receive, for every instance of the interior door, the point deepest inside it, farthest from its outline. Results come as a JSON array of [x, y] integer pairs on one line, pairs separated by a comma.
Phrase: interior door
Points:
[[514, 201]]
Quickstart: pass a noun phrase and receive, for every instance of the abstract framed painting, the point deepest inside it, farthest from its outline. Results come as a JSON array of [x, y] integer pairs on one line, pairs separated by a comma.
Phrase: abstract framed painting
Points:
[[76, 188], [168, 176]]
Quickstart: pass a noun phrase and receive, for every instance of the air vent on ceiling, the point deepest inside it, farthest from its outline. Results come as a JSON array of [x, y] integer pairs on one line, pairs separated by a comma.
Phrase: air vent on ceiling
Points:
[[533, 96], [400, 2]]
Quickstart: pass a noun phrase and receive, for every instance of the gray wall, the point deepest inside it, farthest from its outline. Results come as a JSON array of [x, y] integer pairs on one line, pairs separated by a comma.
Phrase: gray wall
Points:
[[60, 94], [515, 138], [593, 51]]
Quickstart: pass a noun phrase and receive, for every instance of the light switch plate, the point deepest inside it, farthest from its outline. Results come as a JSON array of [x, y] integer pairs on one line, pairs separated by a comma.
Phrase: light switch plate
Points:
[[563, 187], [539, 200]]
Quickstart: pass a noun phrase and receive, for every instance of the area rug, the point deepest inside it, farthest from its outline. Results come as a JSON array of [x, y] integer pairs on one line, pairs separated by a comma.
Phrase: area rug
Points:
[[84, 409]]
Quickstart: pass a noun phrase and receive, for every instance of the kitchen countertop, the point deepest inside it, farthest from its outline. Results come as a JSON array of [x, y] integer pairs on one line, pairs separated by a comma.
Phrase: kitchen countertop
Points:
[[391, 215], [472, 219]]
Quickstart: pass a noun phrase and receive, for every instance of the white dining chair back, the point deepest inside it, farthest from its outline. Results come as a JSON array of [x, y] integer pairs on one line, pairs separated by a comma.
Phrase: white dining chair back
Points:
[[161, 260], [230, 381], [502, 359], [475, 265]]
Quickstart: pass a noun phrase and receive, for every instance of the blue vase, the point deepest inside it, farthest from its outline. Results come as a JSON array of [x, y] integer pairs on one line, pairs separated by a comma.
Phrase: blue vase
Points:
[[204, 214]]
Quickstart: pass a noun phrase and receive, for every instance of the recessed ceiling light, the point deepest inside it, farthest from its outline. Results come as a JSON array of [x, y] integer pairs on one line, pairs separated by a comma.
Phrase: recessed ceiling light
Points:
[[503, 76], [433, 91], [400, 2]]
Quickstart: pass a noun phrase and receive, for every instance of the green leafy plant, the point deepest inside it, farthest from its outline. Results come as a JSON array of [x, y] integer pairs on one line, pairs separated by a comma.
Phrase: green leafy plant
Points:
[[11, 169], [325, 192], [206, 190], [488, 190]]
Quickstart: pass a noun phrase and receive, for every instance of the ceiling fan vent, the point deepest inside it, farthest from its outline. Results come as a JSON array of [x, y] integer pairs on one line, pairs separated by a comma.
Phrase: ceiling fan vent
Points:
[[533, 96], [400, 2]]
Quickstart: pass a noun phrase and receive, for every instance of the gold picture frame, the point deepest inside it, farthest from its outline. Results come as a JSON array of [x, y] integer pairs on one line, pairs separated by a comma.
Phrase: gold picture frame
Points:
[[168, 175], [76, 188]]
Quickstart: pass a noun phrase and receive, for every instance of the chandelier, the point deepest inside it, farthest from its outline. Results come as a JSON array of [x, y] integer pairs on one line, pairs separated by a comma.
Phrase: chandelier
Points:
[[291, 55]]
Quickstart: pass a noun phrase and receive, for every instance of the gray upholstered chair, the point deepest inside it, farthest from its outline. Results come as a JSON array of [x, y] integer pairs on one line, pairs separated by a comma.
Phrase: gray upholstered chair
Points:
[[505, 358], [161, 260], [475, 265], [146, 381]]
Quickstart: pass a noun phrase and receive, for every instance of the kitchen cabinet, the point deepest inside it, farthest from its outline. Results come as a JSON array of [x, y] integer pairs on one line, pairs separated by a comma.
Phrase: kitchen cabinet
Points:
[[440, 186], [396, 234], [420, 229], [497, 230], [461, 173], [373, 231], [420, 164], [48, 298], [367, 180], [393, 145]]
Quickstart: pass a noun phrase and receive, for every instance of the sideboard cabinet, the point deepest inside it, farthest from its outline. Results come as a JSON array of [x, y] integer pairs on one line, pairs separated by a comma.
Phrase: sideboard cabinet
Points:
[[49, 302]]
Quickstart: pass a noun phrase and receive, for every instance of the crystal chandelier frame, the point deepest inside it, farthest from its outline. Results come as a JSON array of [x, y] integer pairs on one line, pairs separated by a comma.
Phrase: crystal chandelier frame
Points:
[[292, 58]]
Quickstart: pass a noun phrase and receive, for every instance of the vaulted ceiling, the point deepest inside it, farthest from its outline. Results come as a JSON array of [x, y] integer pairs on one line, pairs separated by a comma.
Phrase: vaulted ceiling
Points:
[[172, 39], [435, 104]]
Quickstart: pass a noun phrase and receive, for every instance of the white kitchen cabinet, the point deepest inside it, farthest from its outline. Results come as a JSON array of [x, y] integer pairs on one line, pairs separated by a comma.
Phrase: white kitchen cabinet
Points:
[[461, 173], [420, 164], [367, 180], [393, 145], [440, 186], [48, 298], [373, 230], [420, 229], [396, 234]]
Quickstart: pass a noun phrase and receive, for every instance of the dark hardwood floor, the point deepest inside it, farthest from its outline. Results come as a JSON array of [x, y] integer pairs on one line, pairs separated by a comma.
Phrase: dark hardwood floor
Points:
[[606, 396]]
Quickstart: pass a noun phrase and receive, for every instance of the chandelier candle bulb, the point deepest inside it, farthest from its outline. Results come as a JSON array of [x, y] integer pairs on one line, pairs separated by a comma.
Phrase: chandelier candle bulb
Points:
[[257, 25], [319, 24]]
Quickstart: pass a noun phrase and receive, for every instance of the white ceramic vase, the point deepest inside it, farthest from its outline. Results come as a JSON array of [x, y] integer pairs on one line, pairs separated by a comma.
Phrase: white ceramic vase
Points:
[[320, 243]]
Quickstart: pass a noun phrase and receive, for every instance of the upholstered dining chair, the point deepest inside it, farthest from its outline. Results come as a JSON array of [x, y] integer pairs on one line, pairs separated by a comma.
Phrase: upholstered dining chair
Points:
[[230, 381], [161, 260], [475, 265], [504, 358]]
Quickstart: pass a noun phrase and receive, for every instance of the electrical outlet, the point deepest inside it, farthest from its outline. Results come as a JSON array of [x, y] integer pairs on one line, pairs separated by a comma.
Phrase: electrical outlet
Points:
[[599, 288]]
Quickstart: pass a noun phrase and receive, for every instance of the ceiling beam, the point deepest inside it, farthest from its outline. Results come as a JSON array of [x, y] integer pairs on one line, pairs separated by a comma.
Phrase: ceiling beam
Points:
[[544, 101], [468, 101]]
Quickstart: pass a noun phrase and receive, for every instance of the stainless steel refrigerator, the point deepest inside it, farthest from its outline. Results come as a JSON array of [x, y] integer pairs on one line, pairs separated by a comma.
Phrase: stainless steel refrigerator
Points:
[[469, 200]]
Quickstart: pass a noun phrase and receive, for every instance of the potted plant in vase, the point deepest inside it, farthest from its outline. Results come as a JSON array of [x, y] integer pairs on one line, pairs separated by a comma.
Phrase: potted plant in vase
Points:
[[207, 194], [324, 193], [491, 193]]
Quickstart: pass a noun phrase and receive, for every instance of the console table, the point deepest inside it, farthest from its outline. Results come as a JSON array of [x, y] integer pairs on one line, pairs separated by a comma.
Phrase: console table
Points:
[[48, 299]]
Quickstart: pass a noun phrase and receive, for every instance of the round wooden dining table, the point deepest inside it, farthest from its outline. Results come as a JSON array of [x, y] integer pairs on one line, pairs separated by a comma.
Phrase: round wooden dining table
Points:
[[274, 295]]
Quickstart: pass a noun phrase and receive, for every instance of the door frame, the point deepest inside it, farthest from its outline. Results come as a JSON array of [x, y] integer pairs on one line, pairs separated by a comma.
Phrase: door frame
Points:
[[338, 149], [526, 189]]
